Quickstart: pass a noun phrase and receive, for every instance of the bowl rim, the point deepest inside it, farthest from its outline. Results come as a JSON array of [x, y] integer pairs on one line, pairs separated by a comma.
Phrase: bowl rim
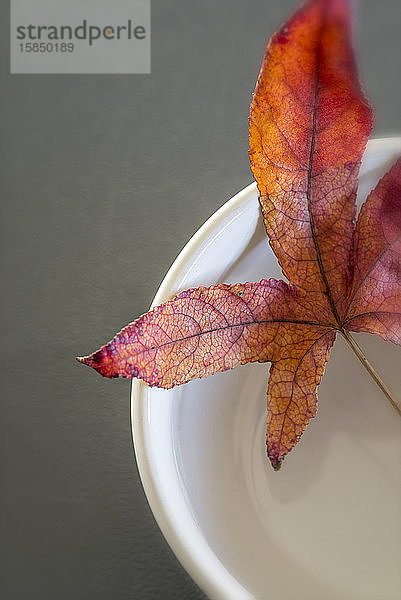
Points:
[[190, 548]]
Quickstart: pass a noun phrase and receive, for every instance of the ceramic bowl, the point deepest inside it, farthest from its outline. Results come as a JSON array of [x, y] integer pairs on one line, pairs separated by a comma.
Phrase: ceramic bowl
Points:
[[328, 525]]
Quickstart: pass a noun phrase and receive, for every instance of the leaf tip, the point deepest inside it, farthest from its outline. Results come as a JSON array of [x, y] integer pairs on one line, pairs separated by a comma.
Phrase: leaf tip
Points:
[[100, 362], [86, 360], [276, 460]]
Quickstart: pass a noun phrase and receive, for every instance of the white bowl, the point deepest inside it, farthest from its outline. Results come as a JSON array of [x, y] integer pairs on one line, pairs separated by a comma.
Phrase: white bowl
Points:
[[328, 525]]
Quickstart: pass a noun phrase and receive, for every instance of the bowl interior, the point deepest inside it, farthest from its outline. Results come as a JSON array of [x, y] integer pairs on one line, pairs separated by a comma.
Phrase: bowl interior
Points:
[[327, 525]]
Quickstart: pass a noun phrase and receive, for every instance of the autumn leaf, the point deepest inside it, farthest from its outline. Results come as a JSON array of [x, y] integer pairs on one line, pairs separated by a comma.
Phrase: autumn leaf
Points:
[[374, 298], [309, 125]]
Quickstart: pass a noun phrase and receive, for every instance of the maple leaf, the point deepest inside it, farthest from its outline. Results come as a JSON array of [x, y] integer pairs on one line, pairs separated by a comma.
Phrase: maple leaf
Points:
[[309, 125]]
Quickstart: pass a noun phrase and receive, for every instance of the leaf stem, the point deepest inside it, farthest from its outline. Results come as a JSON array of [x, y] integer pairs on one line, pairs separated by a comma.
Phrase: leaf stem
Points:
[[358, 351]]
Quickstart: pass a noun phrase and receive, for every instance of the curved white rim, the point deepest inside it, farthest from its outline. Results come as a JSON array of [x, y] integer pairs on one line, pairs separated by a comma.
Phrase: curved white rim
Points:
[[186, 542]]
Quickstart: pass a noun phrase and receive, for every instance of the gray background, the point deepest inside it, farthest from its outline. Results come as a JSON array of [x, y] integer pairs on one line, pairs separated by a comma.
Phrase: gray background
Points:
[[104, 179]]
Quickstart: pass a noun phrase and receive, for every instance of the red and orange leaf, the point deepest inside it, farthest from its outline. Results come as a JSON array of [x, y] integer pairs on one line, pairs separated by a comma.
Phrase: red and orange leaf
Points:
[[208, 330], [375, 295], [308, 126]]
